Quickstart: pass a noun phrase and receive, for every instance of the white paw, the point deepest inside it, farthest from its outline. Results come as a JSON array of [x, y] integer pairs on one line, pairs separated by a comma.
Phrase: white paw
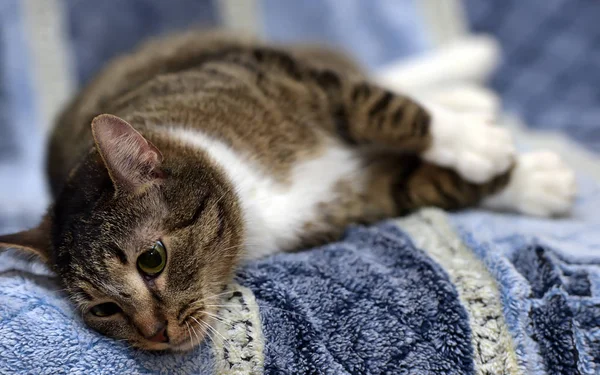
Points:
[[541, 185], [469, 144], [465, 97]]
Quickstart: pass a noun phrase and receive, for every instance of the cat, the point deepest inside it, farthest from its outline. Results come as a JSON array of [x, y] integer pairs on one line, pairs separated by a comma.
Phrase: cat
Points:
[[199, 151]]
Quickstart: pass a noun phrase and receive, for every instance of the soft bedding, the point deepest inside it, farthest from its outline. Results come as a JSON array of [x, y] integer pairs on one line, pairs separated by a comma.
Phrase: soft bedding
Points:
[[432, 293], [474, 292]]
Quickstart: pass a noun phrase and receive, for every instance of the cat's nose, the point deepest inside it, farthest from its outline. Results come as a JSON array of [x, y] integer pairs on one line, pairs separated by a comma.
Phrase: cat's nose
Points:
[[160, 334]]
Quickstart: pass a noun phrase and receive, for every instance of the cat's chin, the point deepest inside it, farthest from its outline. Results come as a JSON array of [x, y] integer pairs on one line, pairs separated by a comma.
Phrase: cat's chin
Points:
[[185, 345]]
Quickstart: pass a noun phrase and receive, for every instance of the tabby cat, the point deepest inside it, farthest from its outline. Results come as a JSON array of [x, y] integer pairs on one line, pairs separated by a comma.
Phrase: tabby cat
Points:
[[198, 151]]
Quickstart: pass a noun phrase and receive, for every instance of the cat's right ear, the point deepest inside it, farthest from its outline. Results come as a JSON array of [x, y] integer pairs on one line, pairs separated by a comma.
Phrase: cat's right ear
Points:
[[34, 242], [133, 162]]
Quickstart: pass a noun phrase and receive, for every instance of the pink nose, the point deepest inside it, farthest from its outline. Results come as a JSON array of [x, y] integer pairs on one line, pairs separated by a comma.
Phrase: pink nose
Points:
[[160, 335]]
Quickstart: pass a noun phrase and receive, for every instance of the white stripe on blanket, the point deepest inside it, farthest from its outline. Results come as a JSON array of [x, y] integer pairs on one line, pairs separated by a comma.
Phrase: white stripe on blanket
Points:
[[238, 344], [494, 352]]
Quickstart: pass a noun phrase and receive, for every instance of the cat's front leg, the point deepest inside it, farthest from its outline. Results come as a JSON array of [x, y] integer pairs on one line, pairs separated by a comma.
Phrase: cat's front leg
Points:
[[469, 143], [368, 115]]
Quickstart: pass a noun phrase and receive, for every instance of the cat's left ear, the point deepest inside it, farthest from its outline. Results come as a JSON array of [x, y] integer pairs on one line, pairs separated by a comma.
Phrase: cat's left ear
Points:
[[132, 161], [35, 242]]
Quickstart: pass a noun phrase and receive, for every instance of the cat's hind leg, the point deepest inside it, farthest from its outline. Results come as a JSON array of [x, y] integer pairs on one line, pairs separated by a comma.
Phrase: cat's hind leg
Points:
[[429, 185], [541, 184], [538, 184]]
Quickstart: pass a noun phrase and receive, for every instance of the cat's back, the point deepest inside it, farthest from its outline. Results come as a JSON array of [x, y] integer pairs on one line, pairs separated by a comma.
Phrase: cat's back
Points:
[[207, 81], [71, 136]]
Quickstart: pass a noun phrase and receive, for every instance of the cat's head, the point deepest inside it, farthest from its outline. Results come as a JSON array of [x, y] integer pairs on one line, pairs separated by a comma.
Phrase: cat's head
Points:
[[142, 242]]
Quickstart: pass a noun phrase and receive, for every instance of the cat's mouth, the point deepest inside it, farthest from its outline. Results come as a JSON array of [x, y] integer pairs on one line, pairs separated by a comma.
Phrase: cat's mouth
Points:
[[189, 331], [187, 335], [186, 339]]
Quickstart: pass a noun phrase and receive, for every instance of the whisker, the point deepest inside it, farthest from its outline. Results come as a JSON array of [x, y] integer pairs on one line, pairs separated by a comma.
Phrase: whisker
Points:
[[225, 341], [218, 319], [208, 299], [195, 303], [126, 341], [259, 306], [195, 320], [208, 326], [215, 283], [212, 340], [196, 334], [229, 255], [190, 332], [217, 201], [230, 248], [218, 295]]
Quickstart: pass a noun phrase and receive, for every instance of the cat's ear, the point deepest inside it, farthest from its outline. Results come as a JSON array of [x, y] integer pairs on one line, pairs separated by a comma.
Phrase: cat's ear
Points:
[[35, 242], [132, 161]]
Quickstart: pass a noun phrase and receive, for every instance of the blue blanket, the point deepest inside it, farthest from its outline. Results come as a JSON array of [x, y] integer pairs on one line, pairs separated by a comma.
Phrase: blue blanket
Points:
[[432, 293], [426, 294]]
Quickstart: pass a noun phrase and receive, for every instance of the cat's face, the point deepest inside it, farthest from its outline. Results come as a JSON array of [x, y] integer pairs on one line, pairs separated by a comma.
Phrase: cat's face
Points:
[[139, 272], [146, 260]]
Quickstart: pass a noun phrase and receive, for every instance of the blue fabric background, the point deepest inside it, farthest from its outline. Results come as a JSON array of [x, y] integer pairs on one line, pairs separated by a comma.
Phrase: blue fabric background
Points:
[[22, 192], [551, 70], [375, 31], [100, 30], [549, 76]]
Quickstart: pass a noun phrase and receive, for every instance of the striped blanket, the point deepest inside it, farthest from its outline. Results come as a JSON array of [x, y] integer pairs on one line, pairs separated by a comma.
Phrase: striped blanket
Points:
[[474, 292]]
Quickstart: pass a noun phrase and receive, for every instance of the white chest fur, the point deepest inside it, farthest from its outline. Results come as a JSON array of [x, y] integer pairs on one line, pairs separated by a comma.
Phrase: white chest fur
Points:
[[276, 213]]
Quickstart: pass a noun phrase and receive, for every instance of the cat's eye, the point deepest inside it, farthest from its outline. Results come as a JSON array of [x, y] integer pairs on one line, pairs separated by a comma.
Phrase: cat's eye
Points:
[[106, 309], [152, 262]]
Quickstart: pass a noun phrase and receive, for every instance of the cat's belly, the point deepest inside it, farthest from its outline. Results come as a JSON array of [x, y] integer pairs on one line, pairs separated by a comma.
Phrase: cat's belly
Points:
[[275, 213]]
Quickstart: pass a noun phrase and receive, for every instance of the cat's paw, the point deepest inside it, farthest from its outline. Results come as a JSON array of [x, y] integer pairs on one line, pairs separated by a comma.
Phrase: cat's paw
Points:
[[541, 185], [470, 144]]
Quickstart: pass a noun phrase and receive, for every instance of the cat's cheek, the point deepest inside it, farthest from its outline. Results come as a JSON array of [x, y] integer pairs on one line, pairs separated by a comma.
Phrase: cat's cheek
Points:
[[160, 283]]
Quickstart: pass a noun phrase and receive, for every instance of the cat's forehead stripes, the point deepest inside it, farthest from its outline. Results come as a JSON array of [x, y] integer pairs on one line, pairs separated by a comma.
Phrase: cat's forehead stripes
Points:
[[79, 295], [93, 287]]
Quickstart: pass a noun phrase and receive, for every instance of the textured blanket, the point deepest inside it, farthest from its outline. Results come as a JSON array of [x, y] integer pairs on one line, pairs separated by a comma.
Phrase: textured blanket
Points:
[[427, 294], [433, 293]]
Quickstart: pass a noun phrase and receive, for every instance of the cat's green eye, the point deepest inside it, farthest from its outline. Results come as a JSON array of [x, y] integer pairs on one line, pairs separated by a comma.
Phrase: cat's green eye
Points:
[[152, 262], [105, 309]]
